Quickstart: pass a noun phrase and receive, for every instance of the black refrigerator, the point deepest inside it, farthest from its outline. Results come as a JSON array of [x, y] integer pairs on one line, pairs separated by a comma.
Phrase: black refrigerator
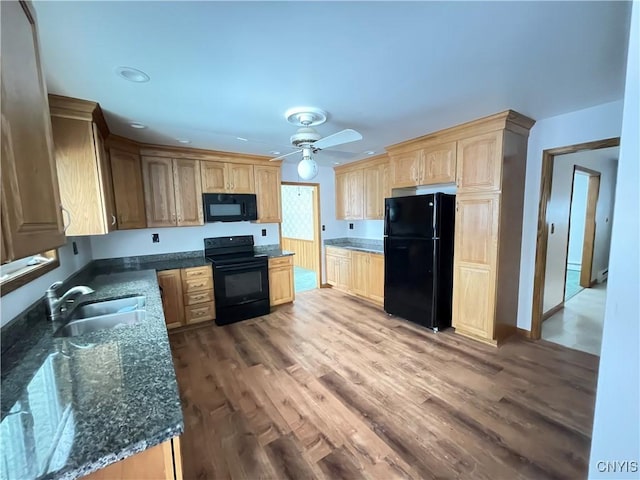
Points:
[[418, 258]]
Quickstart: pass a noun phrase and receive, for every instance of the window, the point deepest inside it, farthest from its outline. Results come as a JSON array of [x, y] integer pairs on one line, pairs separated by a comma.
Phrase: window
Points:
[[20, 272]]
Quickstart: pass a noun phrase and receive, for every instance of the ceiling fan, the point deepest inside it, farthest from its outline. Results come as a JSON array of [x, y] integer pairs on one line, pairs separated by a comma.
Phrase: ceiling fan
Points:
[[309, 141]]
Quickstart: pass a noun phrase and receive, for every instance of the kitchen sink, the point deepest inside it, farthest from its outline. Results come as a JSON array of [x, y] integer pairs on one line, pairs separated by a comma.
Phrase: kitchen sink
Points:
[[107, 307], [91, 324]]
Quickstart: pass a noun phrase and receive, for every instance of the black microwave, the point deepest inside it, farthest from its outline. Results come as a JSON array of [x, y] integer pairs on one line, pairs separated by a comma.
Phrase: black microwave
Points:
[[229, 207]]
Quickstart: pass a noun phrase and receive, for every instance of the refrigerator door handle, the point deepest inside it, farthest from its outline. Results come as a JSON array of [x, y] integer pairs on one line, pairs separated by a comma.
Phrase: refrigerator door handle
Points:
[[435, 238]]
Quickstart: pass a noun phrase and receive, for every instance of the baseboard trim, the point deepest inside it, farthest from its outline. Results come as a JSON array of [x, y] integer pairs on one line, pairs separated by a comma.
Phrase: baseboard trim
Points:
[[325, 285], [524, 333], [552, 311]]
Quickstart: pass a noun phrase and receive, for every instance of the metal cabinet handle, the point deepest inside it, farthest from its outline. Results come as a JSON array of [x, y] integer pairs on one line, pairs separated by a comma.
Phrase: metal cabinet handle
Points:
[[113, 219], [179, 219], [66, 227]]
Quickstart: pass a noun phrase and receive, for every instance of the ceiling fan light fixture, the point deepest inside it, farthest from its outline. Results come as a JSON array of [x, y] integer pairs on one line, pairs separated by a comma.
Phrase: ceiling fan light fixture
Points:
[[306, 116], [307, 168], [132, 74]]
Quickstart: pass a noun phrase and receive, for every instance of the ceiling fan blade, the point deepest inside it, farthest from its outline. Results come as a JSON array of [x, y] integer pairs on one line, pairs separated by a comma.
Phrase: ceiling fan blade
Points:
[[283, 156], [345, 136]]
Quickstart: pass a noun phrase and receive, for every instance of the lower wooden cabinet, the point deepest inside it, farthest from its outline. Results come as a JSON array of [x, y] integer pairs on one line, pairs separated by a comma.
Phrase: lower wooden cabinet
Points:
[[281, 283], [187, 296], [162, 462], [360, 273], [338, 267]]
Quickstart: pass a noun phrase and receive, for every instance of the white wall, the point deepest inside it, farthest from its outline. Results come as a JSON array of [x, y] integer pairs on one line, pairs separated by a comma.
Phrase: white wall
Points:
[[604, 161], [17, 301], [594, 123], [127, 243], [616, 429], [577, 220]]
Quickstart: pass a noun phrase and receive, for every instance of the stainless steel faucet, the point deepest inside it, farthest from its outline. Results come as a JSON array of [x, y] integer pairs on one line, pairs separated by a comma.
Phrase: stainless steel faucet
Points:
[[55, 305]]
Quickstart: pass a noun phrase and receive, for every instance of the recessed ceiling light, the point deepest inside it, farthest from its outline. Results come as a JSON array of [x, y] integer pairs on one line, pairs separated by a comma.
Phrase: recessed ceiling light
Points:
[[242, 139], [132, 74], [369, 152], [183, 140], [137, 125], [337, 163], [274, 152]]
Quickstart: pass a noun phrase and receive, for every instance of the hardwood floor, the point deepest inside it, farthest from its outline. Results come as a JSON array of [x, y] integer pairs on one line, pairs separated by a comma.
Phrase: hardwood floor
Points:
[[331, 387]]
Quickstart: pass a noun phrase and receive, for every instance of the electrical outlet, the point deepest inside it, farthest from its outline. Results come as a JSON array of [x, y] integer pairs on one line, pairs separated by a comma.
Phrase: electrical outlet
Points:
[[155, 237], [264, 232], [351, 226], [323, 228], [75, 248]]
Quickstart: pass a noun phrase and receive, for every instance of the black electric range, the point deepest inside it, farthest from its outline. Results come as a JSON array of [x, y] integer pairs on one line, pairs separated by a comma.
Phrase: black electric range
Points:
[[240, 278]]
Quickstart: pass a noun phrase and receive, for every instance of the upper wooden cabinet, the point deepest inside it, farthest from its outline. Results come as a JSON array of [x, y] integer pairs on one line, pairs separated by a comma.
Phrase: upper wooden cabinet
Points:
[[267, 186], [126, 171], [31, 213], [226, 177], [480, 163], [172, 190], [424, 166], [84, 173], [361, 188]]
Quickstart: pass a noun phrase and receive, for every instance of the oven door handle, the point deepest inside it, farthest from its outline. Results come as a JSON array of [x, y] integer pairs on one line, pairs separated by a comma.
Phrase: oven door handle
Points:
[[238, 268]]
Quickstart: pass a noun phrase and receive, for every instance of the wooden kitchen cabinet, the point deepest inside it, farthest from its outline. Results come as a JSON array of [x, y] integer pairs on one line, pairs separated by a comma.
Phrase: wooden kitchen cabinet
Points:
[[170, 282], [187, 296], [338, 267], [281, 282], [268, 193], [128, 190], [424, 166], [480, 163], [227, 177], [161, 462], [31, 215], [172, 189], [84, 172], [367, 275], [361, 188]]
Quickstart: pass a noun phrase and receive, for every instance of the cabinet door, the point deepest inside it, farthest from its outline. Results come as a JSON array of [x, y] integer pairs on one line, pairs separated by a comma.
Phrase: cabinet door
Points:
[[281, 285], [373, 196], [355, 188], [267, 188], [240, 178], [32, 219], [214, 177], [106, 180], [342, 196], [439, 164], [344, 273], [479, 163], [170, 283], [332, 270], [476, 243], [375, 287], [406, 168], [359, 273], [128, 190], [159, 191], [188, 190]]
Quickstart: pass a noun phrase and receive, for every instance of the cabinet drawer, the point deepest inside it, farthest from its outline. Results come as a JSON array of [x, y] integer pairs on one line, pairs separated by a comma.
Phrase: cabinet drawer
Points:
[[198, 297], [196, 284], [199, 312], [196, 272], [280, 261], [338, 252]]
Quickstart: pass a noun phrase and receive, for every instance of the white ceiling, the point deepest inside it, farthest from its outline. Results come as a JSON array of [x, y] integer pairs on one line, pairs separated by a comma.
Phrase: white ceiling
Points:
[[391, 70]]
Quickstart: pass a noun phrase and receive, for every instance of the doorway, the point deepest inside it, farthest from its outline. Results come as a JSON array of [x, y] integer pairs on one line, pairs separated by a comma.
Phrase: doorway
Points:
[[582, 230], [300, 232], [573, 240]]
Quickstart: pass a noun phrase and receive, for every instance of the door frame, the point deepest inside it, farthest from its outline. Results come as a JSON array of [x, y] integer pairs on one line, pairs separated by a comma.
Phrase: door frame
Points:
[[548, 157], [588, 236], [316, 222]]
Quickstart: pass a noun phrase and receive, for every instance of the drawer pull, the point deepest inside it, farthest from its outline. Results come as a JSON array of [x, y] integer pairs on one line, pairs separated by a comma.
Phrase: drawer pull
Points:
[[199, 297]]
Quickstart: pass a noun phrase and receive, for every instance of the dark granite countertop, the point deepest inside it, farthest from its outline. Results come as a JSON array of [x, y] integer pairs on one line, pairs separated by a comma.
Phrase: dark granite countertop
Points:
[[357, 244], [73, 405], [275, 253], [169, 261]]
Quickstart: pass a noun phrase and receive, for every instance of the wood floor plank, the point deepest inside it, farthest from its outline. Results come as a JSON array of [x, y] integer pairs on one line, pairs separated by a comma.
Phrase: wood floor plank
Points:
[[332, 387]]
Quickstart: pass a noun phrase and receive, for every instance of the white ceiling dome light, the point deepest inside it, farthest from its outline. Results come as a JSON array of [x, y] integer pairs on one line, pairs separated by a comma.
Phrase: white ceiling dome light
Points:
[[307, 168]]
